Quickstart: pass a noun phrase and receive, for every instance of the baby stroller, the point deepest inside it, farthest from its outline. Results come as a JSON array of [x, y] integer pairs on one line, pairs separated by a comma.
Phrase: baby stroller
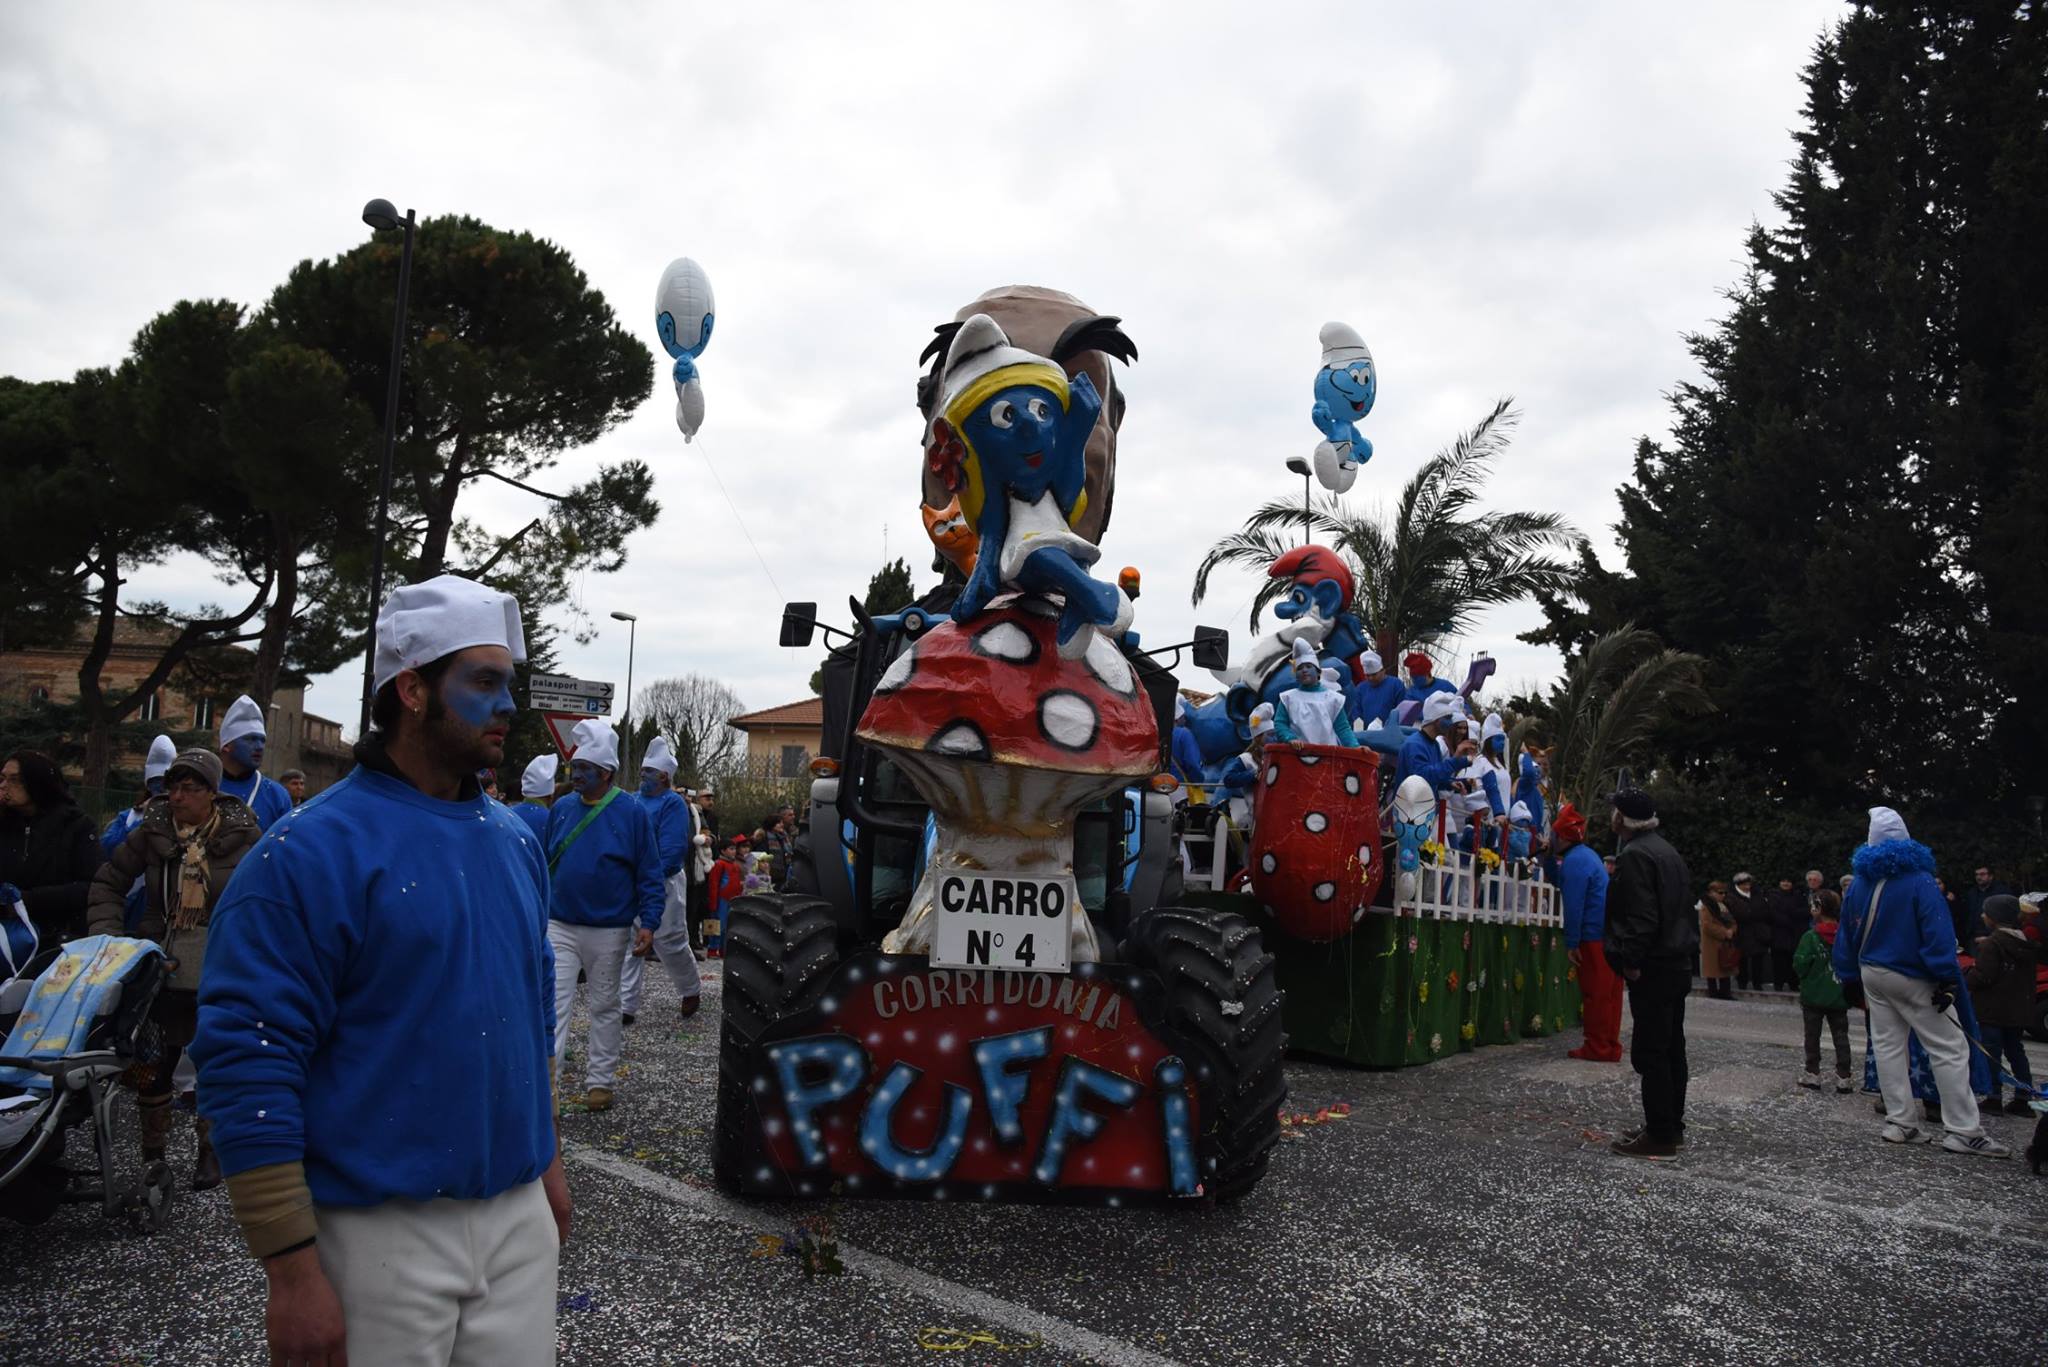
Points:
[[73, 1021]]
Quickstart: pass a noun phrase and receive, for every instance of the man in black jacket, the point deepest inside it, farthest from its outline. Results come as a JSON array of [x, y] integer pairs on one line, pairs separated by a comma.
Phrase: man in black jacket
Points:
[[1653, 940]]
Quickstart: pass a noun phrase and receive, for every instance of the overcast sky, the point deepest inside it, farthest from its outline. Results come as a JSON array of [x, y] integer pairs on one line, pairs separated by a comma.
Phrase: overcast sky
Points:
[[1502, 198]]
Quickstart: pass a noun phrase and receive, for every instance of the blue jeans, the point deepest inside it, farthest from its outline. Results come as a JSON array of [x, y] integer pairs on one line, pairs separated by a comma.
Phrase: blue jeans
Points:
[[2010, 1041]]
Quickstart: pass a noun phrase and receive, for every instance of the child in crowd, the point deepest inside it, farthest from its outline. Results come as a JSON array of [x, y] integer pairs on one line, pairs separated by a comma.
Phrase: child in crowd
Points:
[[1820, 995], [724, 884], [2002, 981]]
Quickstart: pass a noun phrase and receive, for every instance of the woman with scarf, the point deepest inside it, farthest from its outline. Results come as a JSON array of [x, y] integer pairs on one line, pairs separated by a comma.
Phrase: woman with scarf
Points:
[[186, 846], [1717, 942]]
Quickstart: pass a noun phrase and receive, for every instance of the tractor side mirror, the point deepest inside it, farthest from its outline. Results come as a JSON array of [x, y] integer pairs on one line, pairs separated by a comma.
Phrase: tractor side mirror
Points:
[[799, 622], [1212, 648]]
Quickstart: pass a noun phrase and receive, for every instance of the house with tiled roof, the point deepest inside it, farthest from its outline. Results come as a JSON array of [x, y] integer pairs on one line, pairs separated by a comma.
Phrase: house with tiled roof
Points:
[[782, 740]]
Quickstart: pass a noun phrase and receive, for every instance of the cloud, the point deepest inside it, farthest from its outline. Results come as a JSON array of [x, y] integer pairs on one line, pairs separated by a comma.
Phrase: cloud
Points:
[[1502, 198]]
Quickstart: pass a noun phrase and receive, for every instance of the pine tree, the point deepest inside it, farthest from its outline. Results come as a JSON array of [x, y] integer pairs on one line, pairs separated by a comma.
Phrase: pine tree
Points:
[[1848, 518]]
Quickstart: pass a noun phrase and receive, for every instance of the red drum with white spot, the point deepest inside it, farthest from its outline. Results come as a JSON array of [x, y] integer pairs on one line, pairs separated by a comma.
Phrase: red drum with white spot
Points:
[[1316, 858]]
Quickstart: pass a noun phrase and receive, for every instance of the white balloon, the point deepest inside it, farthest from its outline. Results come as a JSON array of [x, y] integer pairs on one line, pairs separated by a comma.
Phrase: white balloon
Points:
[[685, 294], [690, 408]]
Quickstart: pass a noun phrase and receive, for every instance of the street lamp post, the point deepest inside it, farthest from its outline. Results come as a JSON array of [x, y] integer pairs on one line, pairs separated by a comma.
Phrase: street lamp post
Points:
[[379, 214], [632, 632], [1300, 467]]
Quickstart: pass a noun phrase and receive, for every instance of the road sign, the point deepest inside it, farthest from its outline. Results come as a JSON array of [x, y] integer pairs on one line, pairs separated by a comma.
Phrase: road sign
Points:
[[560, 724], [560, 693]]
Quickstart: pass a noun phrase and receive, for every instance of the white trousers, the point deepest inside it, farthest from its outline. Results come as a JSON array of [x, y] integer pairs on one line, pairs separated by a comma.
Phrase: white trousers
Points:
[[1900, 1005], [595, 951], [445, 1283], [672, 943]]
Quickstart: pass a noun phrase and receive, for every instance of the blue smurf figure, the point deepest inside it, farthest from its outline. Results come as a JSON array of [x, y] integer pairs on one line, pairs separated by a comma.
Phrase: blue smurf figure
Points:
[[1346, 386], [1010, 437]]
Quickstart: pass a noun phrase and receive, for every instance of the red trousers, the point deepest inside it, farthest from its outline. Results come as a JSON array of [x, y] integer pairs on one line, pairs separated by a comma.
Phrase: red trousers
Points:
[[1600, 994]]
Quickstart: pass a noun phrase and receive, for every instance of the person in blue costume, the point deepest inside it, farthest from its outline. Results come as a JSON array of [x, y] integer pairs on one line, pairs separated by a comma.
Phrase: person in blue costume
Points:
[[241, 762], [155, 764], [1421, 755], [1375, 696], [1010, 438], [675, 830], [375, 1021], [1529, 787], [1897, 937], [606, 894], [1313, 711], [1422, 679], [537, 793]]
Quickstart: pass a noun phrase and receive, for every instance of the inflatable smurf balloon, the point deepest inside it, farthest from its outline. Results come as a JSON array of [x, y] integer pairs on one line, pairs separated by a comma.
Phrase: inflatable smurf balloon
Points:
[[682, 315], [1345, 388]]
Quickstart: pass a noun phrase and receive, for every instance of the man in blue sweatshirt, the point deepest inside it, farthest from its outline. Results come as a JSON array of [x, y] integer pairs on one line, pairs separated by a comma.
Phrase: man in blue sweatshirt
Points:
[[537, 793], [674, 829], [241, 762], [375, 1022], [1898, 937], [605, 867], [1376, 695], [1422, 757]]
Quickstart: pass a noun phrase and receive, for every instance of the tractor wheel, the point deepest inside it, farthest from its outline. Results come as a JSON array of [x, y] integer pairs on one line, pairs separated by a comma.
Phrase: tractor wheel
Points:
[[1223, 995], [780, 950]]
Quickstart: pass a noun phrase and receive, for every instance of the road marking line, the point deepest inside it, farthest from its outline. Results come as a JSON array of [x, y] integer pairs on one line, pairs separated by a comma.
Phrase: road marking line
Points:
[[715, 1205]]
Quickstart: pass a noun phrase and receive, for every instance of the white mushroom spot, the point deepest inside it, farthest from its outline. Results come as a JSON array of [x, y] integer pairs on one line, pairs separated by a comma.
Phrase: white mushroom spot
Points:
[[898, 673], [1365, 854], [1272, 774], [1068, 719], [1006, 641], [1268, 862], [1108, 664], [960, 739], [1316, 822], [1325, 891], [1351, 784]]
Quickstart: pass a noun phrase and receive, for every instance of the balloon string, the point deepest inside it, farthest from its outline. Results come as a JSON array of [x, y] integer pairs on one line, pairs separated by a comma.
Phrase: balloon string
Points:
[[739, 521]]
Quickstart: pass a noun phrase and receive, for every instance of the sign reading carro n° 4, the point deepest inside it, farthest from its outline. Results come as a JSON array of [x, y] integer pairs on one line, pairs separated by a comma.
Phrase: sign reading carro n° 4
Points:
[[1000, 920]]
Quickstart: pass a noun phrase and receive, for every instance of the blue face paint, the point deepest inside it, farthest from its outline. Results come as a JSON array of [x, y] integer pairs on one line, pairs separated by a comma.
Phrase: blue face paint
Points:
[[650, 782], [155, 786], [247, 751], [1015, 434], [480, 694], [586, 778]]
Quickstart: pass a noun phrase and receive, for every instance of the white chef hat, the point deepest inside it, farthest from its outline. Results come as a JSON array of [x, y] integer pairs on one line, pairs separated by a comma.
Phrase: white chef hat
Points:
[[162, 751], [420, 623], [539, 778], [659, 756], [1304, 653], [599, 745], [1439, 707], [1886, 824], [244, 718], [1371, 662], [1261, 719]]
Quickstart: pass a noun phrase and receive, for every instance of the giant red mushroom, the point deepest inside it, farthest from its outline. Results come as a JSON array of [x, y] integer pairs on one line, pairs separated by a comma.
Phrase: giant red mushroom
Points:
[[1007, 742]]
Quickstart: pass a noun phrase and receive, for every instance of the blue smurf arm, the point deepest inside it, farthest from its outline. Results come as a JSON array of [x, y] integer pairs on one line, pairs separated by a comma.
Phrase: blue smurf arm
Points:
[[1083, 406], [993, 527]]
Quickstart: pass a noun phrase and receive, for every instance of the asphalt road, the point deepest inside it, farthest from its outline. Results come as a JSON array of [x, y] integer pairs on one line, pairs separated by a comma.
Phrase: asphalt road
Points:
[[1465, 1211]]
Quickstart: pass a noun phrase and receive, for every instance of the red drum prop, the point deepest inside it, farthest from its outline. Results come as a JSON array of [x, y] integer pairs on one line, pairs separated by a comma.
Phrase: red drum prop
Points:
[[1316, 857]]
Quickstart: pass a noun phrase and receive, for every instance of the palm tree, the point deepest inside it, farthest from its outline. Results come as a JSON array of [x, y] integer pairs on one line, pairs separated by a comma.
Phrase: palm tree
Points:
[[1427, 571], [1611, 702]]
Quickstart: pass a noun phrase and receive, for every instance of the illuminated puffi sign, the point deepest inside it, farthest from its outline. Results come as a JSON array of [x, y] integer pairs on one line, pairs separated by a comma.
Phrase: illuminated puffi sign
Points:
[[916, 1080]]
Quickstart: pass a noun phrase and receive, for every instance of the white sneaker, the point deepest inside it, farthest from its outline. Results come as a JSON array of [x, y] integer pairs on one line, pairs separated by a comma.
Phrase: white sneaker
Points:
[[1810, 1079], [1844, 1085], [1983, 1145], [1906, 1134]]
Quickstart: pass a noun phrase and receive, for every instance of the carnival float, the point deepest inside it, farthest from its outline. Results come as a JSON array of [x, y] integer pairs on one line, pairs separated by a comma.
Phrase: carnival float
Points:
[[1046, 901]]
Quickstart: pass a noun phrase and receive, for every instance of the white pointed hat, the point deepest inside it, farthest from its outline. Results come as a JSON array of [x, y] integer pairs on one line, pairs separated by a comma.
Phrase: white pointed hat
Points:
[[539, 778], [244, 718], [1342, 344], [659, 756], [1304, 653], [982, 360], [599, 745], [162, 751]]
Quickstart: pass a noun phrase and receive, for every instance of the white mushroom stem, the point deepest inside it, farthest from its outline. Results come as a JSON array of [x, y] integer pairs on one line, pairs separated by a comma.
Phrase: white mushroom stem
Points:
[[997, 818]]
